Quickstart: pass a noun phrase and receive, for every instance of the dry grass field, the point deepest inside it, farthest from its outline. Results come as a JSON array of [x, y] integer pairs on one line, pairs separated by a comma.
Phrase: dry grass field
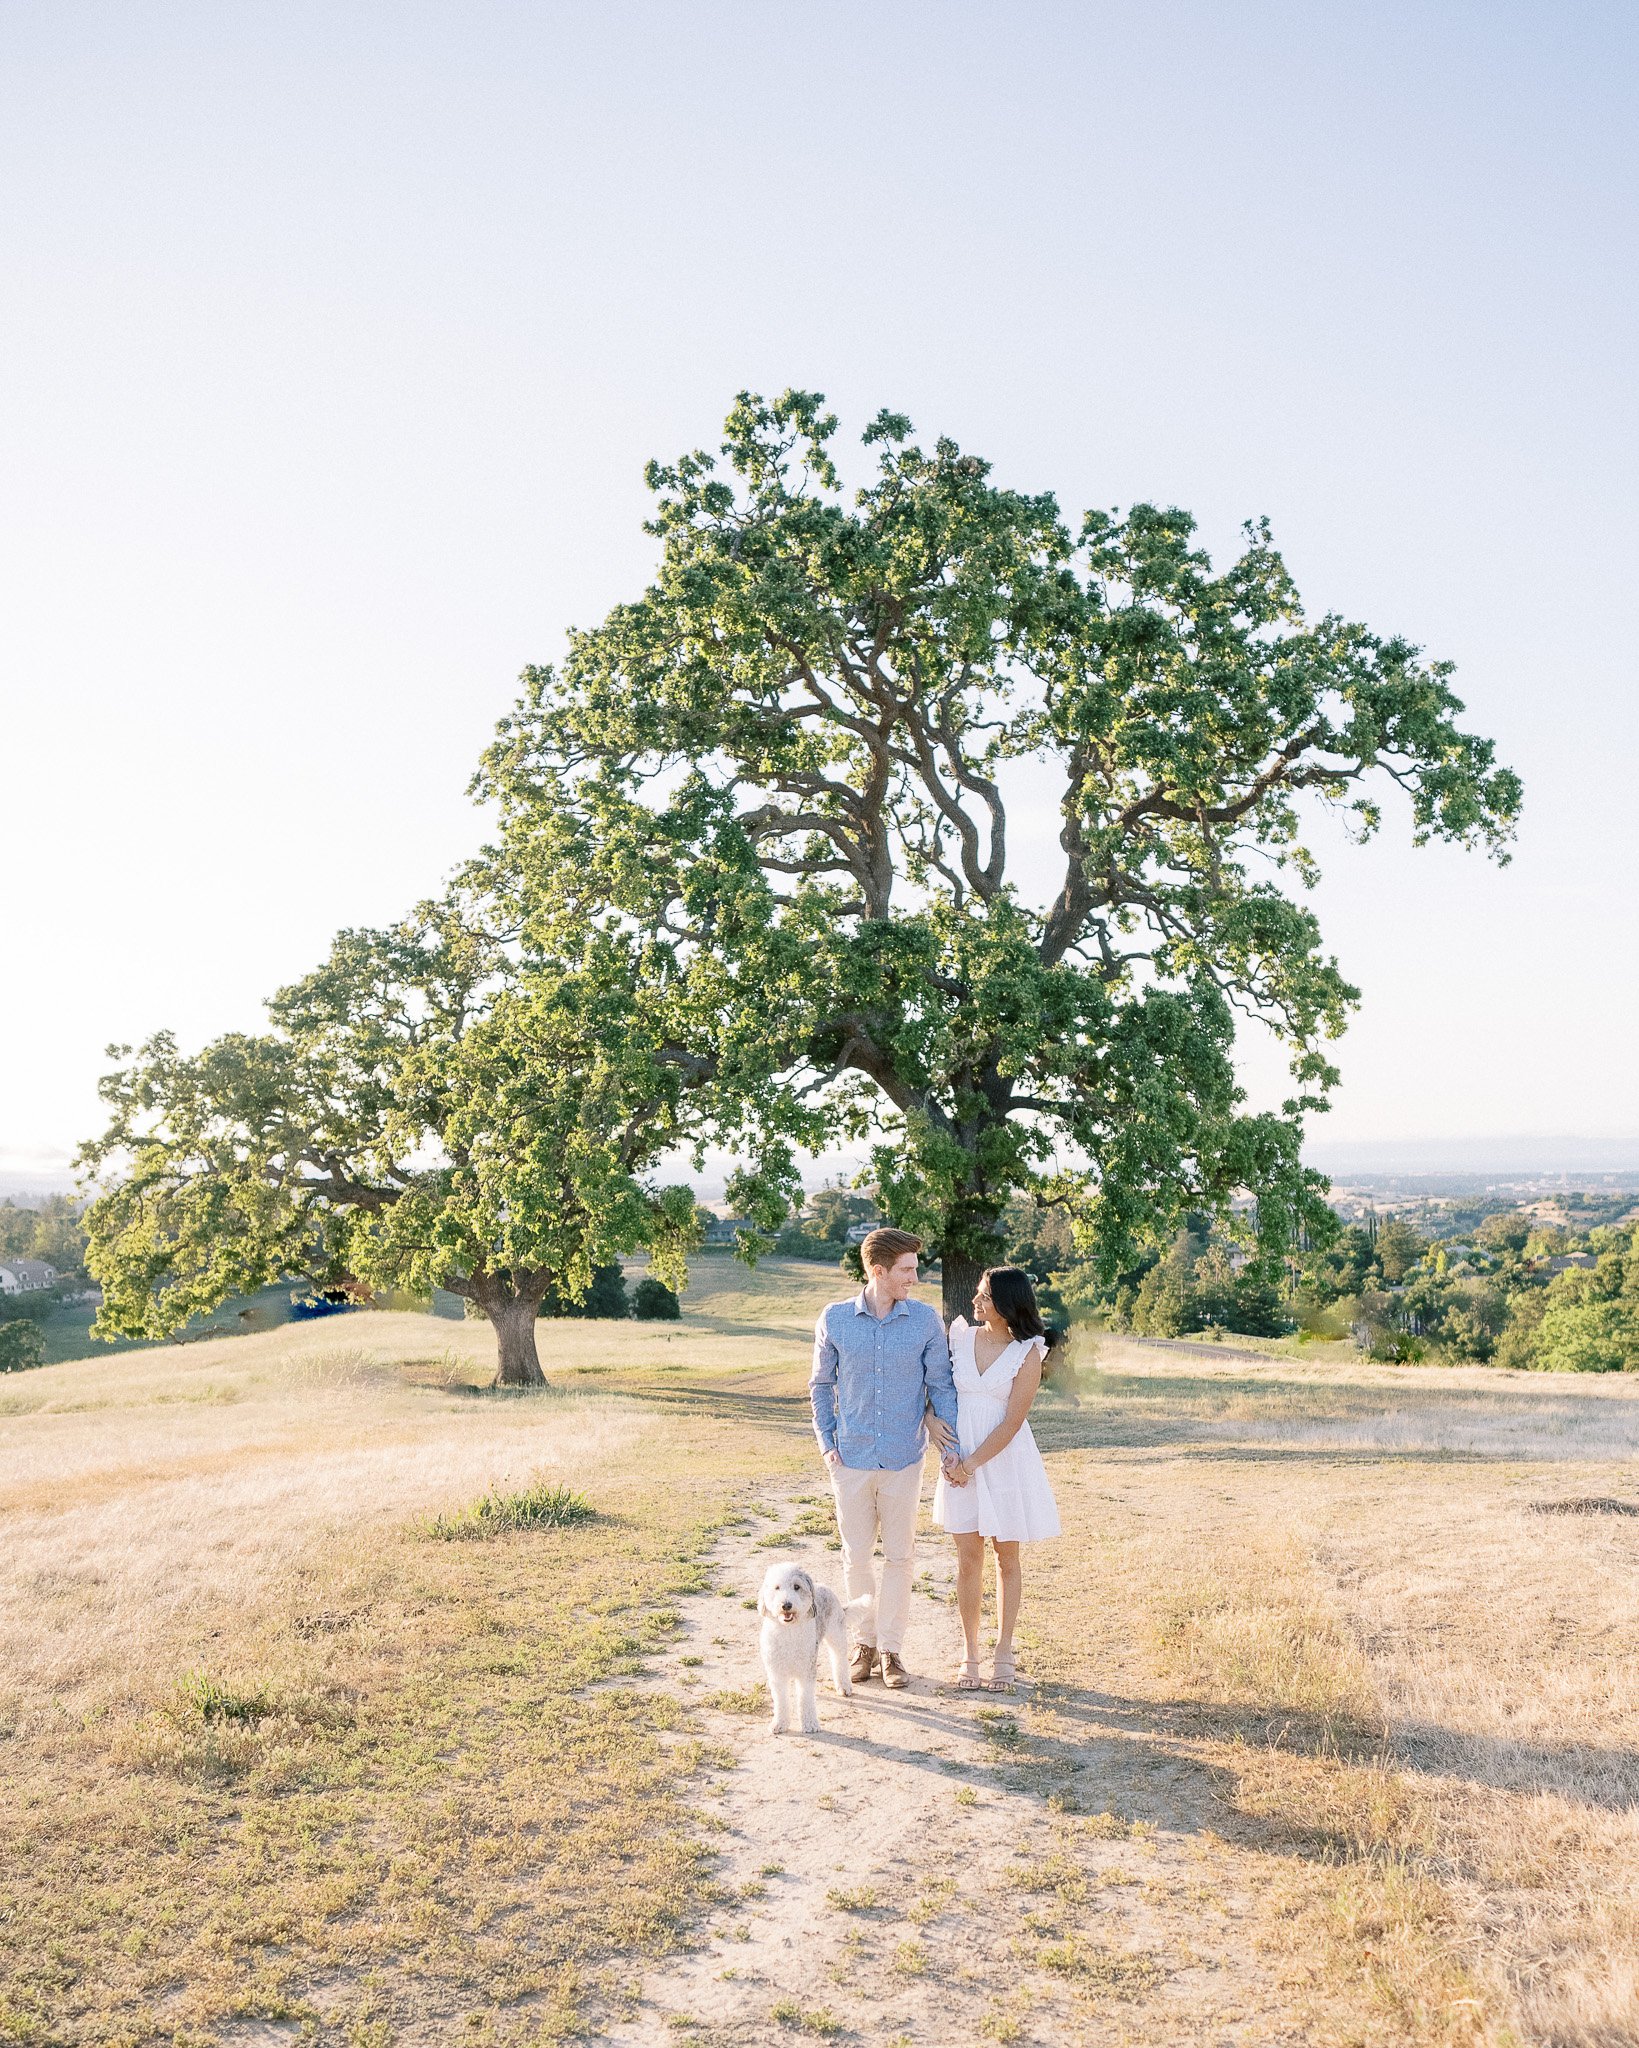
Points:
[[1333, 1698]]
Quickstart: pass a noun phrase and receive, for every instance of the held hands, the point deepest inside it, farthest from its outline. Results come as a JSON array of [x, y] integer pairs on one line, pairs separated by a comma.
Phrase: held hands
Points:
[[943, 1439]]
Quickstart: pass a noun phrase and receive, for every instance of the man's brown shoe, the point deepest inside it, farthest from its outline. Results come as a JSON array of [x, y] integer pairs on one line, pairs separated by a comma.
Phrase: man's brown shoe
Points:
[[864, 1663], [894, 1674]]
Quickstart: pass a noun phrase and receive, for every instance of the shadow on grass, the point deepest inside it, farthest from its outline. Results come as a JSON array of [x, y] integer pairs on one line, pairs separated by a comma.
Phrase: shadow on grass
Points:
[[1582, 1774], [727, 1326], [1129, 1762]]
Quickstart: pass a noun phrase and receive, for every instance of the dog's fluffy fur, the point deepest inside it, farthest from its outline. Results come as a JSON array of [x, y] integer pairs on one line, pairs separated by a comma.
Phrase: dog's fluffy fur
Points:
[[798, 1615]]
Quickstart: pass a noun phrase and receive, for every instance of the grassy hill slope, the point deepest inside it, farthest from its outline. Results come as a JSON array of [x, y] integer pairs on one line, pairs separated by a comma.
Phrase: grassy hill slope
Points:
[[277, 1763]]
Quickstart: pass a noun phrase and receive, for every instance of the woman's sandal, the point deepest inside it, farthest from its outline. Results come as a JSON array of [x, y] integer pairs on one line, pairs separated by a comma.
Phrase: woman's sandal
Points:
[[967, 1677], [1004, 1675]]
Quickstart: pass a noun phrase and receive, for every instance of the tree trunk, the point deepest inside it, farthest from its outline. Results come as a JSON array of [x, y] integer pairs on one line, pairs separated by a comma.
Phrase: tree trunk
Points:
[[514, 1322], [959, 1275]]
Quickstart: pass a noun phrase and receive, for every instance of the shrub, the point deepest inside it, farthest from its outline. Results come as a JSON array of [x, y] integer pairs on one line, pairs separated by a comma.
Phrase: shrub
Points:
[[794, 1242], [501, 1514], [1256, 1310], [606, 1299], [33, 1305], [201, 1695], [1161, 1308], [21, 1346], [654, 1302], [1517, 1346], [1588, 1336]]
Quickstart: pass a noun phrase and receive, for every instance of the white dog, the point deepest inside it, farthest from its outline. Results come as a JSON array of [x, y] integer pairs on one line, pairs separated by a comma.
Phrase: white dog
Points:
[[797, 1617]]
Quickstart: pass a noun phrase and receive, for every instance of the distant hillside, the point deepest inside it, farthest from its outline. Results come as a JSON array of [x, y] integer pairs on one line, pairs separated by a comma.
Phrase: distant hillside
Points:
[[27, 1188], [1490, 1158]]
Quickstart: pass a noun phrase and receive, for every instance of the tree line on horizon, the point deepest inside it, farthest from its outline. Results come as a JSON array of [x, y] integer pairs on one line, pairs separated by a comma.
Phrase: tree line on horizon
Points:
[[1516, 1293], [1497, 1293], [752, 887]]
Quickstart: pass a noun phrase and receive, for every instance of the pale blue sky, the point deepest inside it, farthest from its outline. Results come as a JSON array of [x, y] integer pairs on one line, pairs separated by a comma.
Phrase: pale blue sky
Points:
[[333, 339]]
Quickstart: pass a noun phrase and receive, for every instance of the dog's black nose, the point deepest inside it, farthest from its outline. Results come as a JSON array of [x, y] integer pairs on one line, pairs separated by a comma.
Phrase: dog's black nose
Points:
[[785, 1606]]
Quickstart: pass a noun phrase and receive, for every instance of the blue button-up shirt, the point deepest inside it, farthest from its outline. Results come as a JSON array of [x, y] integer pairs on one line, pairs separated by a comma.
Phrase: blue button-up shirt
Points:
[[873, 1379]]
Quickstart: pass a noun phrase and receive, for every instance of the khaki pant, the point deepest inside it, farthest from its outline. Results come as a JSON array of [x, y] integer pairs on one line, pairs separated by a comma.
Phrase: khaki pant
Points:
[[866, 1502]]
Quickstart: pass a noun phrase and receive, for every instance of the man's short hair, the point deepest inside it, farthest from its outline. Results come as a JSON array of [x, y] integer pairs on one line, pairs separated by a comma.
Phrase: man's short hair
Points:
[[886, 1247]]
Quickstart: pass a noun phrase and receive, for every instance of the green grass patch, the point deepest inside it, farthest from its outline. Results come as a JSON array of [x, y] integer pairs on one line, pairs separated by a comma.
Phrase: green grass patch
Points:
[[807, 2020], [751, 1700], [1124, 1973], [506, 1514], [198, 1694], [1001, 1730]]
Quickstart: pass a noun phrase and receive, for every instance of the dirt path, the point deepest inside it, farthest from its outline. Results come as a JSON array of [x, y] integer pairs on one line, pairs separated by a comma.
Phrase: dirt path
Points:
[[940, 1867]]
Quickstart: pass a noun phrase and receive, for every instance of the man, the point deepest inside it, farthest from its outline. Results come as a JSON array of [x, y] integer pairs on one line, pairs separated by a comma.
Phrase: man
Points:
[[880, 1361]]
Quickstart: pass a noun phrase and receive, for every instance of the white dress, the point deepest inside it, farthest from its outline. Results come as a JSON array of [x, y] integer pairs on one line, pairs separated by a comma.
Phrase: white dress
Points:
[[1009, 1496]]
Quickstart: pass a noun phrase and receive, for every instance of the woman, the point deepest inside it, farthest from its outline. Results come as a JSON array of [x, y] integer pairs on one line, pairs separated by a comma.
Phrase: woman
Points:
[[998, 1487]]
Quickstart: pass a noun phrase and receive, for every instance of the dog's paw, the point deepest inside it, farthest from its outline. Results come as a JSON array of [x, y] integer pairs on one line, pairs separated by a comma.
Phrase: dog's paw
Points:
[[846, 1688], [811, 1727]]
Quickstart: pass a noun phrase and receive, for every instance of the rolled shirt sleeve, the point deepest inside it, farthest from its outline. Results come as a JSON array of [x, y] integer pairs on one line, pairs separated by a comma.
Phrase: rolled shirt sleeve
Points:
[[937, 1378]]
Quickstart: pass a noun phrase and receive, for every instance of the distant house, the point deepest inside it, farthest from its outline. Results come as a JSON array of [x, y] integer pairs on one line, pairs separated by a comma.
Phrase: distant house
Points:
[[1567, 1260], [26, 1276], [725, 1229]]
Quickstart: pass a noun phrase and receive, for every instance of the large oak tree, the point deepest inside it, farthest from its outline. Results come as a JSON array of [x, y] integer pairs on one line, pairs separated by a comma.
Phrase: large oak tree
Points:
[[435, 1106], [794, 761]]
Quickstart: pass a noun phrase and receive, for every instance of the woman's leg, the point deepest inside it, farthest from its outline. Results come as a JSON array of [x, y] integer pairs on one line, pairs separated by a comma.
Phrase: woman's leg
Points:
[[970, 1567], [1009, 1585]]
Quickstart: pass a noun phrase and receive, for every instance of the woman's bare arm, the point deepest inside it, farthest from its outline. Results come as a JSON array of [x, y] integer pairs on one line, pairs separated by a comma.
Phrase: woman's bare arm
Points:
[[1026, 1382]]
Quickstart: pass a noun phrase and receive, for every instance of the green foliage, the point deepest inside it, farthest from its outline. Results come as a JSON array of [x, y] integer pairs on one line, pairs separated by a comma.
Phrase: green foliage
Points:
[[794, 1242], [1588, 1336], [654, 1302], [832, 1212], [31, 1306], [435, 1106], [604, 1300], [1343, 1267], [821, 1232], [542, 1506], [1505, 1306], [1037, 1237], [1403, 1297], [1197, 1286], [22, 1347], [1399, 1248], [1395, 1347], [52, 1232], [16, 1231], [1475, 1319], [1257, 1309], [198, 1694], [785, 762], [1590, 1320], [1517, 1344], [1162, 1306], [1506, 1232]]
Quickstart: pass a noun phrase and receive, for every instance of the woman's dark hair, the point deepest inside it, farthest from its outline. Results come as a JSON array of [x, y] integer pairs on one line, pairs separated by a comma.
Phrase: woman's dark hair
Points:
[[1014, 1300]]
